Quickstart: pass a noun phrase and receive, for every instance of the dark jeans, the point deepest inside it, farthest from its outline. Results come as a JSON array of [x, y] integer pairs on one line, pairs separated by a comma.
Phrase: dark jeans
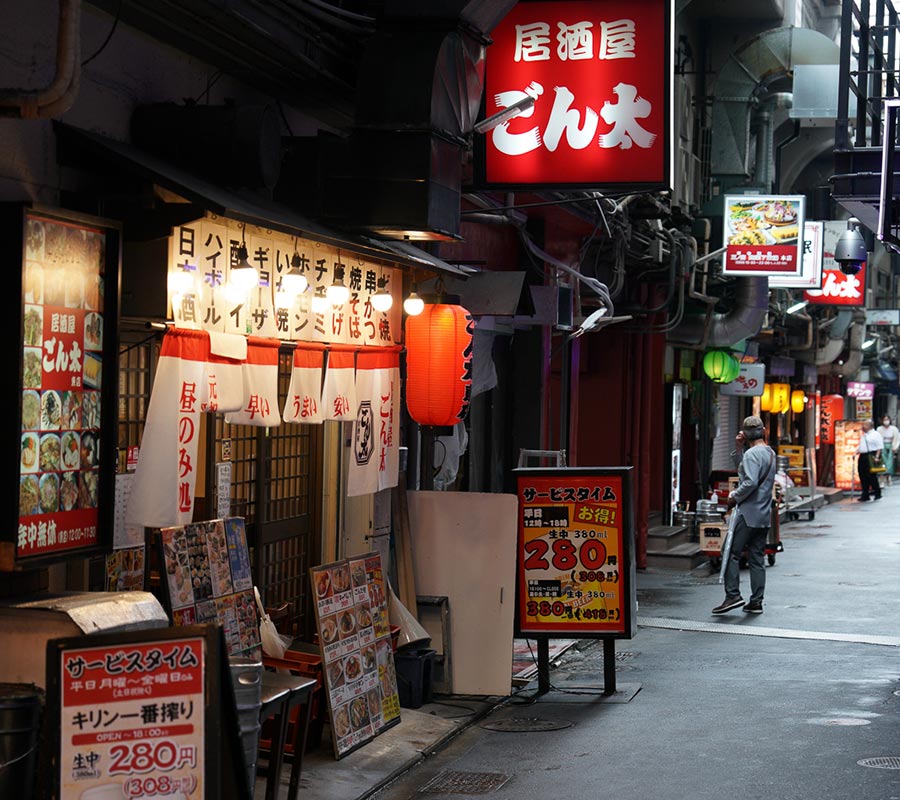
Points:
[[754, 540], [868, 482]]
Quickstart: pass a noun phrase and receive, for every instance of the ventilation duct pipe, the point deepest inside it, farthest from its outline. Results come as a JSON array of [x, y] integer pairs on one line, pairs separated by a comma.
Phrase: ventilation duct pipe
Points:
[[854, 360], [727, 329], [58, 97], [828, 352], [764, 120]]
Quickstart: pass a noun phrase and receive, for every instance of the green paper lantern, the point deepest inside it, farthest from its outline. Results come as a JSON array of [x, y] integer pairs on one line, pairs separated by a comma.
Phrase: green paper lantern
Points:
[[720, 366]]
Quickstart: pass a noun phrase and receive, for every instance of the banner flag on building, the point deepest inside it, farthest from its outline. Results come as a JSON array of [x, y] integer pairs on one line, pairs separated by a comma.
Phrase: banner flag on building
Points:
[[260, 371], [163, 490], [227, 353], [304, 398], [339, 392], [375, 461]]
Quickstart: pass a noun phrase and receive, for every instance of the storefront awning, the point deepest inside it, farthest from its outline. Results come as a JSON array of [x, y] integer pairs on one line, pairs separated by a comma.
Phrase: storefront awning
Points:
[[243, 206]]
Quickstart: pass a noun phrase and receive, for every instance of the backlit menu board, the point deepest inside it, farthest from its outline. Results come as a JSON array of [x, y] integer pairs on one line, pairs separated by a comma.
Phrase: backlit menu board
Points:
[[64, 313], [355, 635]]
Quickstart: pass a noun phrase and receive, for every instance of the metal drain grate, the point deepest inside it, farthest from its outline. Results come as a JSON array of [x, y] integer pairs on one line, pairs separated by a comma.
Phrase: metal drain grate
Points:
[[881, 762], [525, 725], [455, 782]]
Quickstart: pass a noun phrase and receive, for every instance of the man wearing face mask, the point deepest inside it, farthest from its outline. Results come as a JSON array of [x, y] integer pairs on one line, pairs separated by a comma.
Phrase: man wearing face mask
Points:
[[891, 437], [752, 503]]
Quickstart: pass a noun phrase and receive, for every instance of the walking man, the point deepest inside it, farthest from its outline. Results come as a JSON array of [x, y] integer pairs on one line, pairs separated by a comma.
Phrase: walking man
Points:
[[870, 441], [752, 504]]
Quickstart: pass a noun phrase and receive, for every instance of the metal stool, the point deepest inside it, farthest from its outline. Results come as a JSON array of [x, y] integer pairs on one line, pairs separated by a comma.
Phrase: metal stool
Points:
[[280, 694]]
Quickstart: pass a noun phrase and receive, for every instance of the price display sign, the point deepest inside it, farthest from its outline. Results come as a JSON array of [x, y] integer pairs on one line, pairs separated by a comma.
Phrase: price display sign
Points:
[[575, 574], [135, 714]]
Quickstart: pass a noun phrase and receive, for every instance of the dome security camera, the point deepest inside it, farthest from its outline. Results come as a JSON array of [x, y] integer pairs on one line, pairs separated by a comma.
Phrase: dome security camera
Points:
[[850, 250]]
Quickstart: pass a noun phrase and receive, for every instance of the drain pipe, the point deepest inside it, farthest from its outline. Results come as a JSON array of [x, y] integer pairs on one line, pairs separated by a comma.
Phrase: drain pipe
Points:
[[60, 94], [851, 366]]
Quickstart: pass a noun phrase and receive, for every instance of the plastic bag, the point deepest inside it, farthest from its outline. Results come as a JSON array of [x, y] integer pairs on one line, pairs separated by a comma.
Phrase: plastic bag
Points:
[[273, 643], [726, 545]]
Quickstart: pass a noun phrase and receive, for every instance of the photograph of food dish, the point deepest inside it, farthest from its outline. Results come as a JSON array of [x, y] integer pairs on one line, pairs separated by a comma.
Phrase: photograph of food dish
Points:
[[177, 571], [87, 489], [198, 560], [341, 579], [220, 569], [341, 721], [93, 331], [28, 460], [71, 410], [346, 623], [93, 291], [359, 713], [322, 582], [31, 410], [34, 282], [329, 628], [761, 222], [54, 242], [374, 698], [49, 490], [32, 371], [335, 672], [91, 375], [352, 667], [358, 572], [49, 453], [51, 410], [28, 495], [71, 450], [369, 662], [89, 454], [68, 491], [363, 617], [54, 285], [34, 326], [90, 410], [34, 239], [74, 289]]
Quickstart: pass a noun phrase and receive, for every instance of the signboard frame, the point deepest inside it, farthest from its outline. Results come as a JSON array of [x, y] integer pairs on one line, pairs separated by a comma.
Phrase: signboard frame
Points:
[[18, 225], [339, 589], [755, 218], [559, 481], [221, 776]]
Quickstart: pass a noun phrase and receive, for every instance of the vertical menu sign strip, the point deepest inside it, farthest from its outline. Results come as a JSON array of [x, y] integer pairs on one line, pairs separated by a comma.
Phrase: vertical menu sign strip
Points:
[[63, 332], [572, 556], [132, 716]]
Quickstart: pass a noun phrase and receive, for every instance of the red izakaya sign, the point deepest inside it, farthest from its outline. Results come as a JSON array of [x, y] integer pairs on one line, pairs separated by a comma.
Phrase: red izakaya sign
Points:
[[598, 73]]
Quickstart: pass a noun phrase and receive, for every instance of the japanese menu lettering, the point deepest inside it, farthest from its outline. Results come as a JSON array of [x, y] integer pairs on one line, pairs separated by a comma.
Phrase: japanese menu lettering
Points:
[[208, 580], [132, 720], [574, 553], [355, 635], [62, 343]]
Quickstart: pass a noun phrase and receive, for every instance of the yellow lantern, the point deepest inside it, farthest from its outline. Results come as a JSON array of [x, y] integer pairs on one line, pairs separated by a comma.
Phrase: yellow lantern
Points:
[[798, 401], [781, 397], [765, 401]]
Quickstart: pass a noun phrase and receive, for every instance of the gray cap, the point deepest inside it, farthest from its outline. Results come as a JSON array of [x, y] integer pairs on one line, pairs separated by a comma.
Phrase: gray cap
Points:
[[752, 423]]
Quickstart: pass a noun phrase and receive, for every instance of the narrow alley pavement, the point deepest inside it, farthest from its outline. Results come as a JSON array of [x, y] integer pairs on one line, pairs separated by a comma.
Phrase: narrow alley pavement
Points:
[[790, 704]]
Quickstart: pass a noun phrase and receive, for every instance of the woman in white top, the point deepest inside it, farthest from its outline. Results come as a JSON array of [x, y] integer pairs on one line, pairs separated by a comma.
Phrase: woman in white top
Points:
[[891, 437]]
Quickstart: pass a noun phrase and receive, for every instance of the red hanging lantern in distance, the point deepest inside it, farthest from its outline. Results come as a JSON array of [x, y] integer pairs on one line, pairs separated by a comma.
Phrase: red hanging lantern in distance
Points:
[[439, 364]]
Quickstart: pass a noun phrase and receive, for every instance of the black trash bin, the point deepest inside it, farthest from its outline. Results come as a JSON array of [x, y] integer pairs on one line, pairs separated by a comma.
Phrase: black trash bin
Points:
[[20, 721], [414, 670]]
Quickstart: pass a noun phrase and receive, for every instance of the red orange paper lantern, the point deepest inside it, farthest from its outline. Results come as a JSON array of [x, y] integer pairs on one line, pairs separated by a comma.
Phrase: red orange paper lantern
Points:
[[439, 364]]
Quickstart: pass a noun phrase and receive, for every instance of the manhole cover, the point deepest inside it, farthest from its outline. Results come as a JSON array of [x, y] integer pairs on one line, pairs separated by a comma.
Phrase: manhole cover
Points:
[[880, 762], [526, 725], [455, 782]]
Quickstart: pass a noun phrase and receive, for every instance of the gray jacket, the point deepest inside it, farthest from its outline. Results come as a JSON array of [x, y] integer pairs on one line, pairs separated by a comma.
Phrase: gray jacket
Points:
[[756, 477]]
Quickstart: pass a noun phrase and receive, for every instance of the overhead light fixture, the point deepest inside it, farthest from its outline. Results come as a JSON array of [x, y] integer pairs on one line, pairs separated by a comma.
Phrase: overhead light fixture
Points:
[[180, 282], [244, 276], [869, 343], [382, 299], [797, 307], [338, 293], [413, 305], [294, 282]]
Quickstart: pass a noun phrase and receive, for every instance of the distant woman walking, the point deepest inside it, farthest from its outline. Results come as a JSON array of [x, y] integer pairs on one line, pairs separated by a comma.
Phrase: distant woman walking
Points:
[[891, 437]]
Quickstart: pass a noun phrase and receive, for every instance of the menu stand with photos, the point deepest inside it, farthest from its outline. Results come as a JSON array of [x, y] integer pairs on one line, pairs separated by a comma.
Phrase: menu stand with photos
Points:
[[355, 637], [61, 303], [143, 714], [208, 580]]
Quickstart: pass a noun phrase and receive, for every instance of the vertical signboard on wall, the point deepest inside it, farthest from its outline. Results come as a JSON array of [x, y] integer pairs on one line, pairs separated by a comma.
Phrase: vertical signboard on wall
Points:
[[575, 558], [586, 87], [63, 300], [762, 234], [846, 439]]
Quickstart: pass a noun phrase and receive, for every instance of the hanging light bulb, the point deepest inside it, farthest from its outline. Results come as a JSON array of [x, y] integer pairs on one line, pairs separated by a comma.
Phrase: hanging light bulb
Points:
[[338, 293], [382, 299], [319, 303], [294, 282], [413, 305], [244, 275], [180, 282]]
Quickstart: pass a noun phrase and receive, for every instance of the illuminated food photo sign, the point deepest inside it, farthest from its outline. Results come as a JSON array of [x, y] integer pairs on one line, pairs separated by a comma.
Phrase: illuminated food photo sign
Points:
[[63, 283], [762, 235], [588, 87]]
